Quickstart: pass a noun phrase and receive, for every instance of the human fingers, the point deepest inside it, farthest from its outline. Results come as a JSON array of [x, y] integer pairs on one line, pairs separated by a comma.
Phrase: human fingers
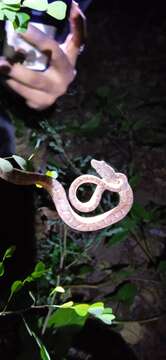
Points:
[[36, 99], [46, 45], [34, 79], [78, 34]]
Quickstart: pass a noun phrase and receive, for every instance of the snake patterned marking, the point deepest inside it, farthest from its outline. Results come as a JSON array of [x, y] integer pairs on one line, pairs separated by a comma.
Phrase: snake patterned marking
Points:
[[108, 180]]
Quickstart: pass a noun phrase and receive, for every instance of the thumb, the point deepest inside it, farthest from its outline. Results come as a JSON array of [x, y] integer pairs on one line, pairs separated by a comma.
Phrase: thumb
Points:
[[78, 34]]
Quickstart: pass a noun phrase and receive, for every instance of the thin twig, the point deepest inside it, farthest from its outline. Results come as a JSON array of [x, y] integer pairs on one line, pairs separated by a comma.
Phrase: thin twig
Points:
[[63, 249], [116, 322], [58, 141], [143, 321], [146, 252]]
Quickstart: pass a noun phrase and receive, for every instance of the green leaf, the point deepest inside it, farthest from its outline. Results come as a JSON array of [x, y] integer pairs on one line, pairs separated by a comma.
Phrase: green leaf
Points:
[[21, 22], [96, 309], [11, 5], [67, 305], [58, 289], [40, 267], [44, 353], [109, 232], [128, 224], [107, 310], [140, 213], [81, 309], [118, 238], [126, 293], [38, 272], [5, 165], [2, 270], [134, 180], [52, 173], [1, 13], [57, 9], [16, 286], [106, 318], [40, 5], [12, 2], [9, 252], [9, 14], [66, 317]]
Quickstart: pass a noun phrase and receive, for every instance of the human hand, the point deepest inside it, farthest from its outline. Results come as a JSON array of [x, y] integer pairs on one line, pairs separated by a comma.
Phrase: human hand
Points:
[[41, 89]]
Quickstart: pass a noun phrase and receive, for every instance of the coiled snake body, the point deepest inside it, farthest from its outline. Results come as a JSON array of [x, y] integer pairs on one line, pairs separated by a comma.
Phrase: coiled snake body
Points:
[[110, 180]]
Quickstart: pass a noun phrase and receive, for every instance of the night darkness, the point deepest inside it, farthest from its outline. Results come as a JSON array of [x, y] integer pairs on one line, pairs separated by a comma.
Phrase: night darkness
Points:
[[121, 86]]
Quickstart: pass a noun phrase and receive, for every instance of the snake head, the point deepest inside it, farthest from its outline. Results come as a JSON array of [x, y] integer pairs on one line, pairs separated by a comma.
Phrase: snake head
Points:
[[103, 169]]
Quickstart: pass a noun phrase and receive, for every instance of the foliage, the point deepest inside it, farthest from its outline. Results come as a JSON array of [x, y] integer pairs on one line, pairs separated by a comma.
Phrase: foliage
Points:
[[9, 252], [65, 314], [77, 251], [12, 10]]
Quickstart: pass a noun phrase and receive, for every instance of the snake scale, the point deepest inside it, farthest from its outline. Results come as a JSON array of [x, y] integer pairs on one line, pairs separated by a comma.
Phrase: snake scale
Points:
[[108, 180]]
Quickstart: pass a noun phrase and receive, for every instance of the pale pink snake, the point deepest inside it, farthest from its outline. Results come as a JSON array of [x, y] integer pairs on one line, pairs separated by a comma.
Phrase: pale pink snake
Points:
[[110, 180]]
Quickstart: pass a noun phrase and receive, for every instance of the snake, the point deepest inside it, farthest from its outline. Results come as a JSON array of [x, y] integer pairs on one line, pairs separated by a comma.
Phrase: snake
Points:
[[108, 179]]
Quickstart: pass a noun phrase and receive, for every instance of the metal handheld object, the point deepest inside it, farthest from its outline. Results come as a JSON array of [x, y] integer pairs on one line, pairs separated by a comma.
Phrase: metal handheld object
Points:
[[34, 59]]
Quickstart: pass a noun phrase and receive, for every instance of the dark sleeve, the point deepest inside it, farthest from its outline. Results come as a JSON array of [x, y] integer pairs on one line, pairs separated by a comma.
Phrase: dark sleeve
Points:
[[84, 4]]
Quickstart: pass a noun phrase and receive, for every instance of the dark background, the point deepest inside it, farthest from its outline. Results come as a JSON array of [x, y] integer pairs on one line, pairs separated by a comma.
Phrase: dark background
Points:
[[121, 81]]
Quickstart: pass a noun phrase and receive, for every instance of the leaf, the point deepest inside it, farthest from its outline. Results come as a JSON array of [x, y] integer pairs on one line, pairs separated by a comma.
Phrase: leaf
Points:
[[52, 173], [5, 165], [140, 213], [38, 272], [67, 305], [107, 310], [135, 180], [2, 270], [21, 22], [44, 353], [126, 293], [132, 332], [58, 289], [9, 252], [66, 317], [118, 238], [20, 161], [128, 224], [96, 309], [57, 9], [1, 12], [40, 267], [12, 2], [10, 15], [40, 5], [106, 318], [16, 286], [81, 309]]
